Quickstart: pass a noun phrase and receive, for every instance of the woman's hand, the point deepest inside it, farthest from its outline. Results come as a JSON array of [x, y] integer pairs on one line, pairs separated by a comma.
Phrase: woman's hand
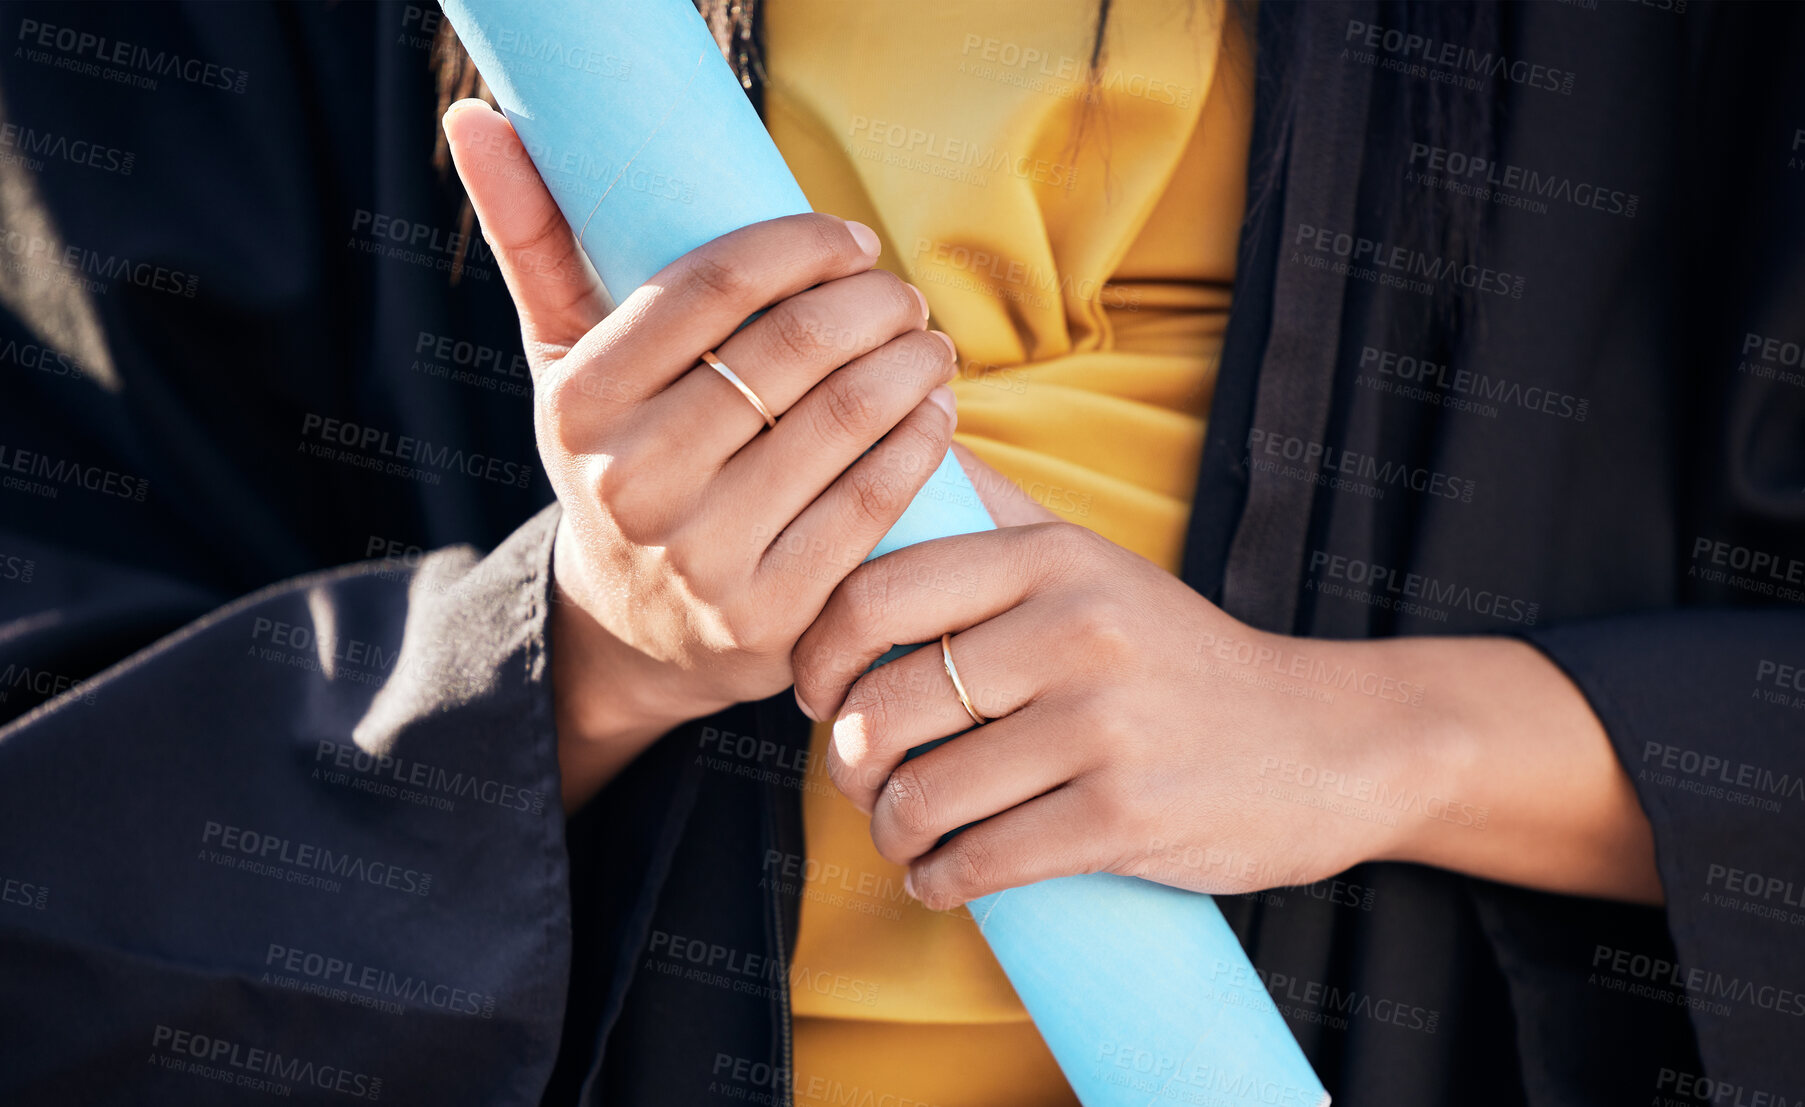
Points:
[[1137, 729], [696, 545]]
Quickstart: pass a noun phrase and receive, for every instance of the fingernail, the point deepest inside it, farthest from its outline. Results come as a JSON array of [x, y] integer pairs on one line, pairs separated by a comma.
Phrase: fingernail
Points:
[[464, 105], [942, 398], [948, 339], [909, 885], [803, 706], [865, 237], [923, 300]]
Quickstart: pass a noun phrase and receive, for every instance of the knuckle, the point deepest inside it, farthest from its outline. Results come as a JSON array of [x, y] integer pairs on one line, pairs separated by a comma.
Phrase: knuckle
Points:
[[610, 487], [1063, 550], [1080, 542], [808, 690], [868, 595], [972, 866], [876, 493], [571, 397], [871, 706], [718, 276], [811, 662], [850, 408], [696, 579], [827, 245], [1105, 722], [595, 484], [638, 510], [921, 356], [686, 566], [850, 767], [874, 313], [911, 802], [844, 778], [796, 332], [1114, 814], [933, 350], [756, 636], [917, 445], [635, 528], [555, 403], [594, 385], [526, 245], [897, 299], [1103, 623], [612, 484]]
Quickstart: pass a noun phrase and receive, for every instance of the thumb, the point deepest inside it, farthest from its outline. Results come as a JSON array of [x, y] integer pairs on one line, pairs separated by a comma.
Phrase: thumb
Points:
[[554, 287], [1008, 505]]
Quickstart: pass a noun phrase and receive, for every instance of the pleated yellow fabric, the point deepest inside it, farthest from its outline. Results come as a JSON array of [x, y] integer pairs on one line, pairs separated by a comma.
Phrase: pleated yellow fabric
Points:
[[1076, 236]]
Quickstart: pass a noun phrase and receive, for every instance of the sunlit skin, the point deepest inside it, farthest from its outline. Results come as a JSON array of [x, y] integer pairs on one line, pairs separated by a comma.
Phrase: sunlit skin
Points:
[[703, 560], [696, 546]]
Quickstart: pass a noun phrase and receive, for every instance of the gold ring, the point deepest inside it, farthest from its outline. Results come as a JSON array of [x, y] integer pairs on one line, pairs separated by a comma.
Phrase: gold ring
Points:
[[946, 658], [745, 389]]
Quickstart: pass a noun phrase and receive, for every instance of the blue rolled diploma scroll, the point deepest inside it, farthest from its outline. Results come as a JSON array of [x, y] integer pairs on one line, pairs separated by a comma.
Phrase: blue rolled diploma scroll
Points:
[[650, 149]]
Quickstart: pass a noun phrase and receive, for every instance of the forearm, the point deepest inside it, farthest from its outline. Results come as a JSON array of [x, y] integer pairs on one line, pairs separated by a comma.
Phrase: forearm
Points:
[[1502, 731], [593, 751], [606, 715]]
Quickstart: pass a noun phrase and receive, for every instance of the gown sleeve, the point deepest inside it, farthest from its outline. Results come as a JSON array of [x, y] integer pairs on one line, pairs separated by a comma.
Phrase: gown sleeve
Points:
[[1704, 698], [1706, 711], [309, 844]]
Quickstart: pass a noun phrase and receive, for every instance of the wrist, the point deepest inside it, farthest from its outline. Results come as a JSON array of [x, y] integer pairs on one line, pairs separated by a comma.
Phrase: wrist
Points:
[[1498, 769], [611, 701], [1409, 735], [1446, 751]]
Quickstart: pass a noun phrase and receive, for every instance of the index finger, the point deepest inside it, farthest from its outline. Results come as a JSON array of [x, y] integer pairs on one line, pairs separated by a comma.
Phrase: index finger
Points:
[[659, 332], [914, 595]]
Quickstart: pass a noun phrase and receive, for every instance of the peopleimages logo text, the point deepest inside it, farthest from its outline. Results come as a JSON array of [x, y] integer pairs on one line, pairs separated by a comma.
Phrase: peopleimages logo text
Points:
[[1404, 262], [416, 451], [1441, 376], [130, 56], [1455, 58], [62, 471], [213, 1050], [276, 849], [349, 973], [32, 143], [1391, 581], [1477, 169], [93, 269], [418, 774], [1315, 456]]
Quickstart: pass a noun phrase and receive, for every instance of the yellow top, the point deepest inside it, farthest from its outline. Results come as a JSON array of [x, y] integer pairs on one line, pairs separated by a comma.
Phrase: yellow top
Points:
[[1082, 257]]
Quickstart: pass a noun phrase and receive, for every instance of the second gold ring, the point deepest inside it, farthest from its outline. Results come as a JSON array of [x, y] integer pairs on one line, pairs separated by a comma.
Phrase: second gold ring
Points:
[[715, 363], [946, 658]]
